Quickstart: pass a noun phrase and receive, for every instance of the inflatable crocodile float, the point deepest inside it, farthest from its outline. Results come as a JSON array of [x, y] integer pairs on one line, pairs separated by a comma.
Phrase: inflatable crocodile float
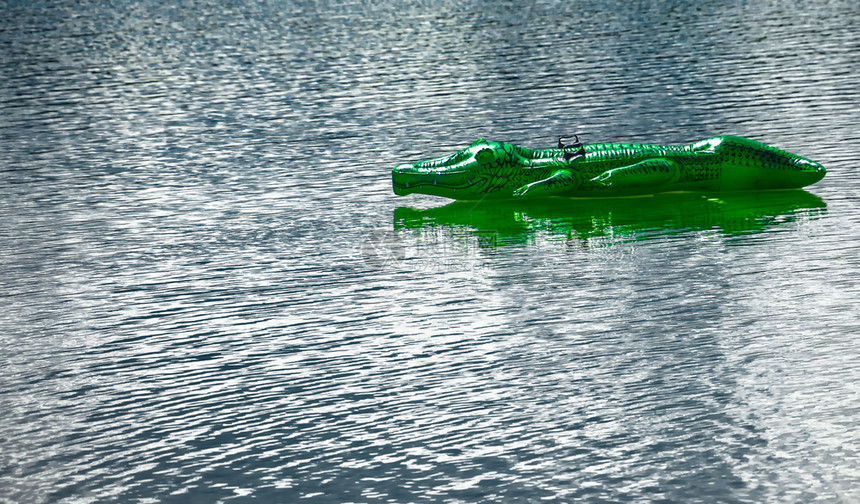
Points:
[[498, 170]]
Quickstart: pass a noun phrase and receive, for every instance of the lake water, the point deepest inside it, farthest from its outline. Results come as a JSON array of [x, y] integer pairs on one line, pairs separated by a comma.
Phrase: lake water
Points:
[[211, 294]]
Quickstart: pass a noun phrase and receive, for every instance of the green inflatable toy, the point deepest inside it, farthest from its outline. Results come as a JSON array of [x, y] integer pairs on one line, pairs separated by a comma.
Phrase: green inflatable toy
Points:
[[495, 170]]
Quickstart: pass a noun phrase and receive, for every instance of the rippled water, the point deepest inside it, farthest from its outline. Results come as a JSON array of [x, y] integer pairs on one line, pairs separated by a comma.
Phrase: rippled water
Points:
[[211, 294]]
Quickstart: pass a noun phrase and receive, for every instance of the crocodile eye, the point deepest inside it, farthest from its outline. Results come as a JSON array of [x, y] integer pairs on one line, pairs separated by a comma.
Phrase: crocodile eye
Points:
[[485, 156]]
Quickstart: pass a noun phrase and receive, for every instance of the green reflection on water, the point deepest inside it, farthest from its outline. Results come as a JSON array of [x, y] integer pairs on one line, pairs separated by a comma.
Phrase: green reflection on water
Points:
[[509, 222]]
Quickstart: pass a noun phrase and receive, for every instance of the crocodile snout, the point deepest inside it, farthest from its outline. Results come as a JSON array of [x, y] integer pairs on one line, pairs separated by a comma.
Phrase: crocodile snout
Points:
[[401, 176]]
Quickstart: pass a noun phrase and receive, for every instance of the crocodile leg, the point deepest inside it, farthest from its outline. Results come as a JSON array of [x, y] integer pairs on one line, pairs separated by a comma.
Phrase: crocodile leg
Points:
[[555, 184], [651, 172]]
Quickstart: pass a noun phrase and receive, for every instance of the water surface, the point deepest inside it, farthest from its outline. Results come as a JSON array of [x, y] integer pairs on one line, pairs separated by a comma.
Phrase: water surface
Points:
[[211, 294]]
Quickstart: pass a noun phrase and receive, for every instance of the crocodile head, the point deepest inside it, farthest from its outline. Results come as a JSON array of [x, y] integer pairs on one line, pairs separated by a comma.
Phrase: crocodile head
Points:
[[484, 169]]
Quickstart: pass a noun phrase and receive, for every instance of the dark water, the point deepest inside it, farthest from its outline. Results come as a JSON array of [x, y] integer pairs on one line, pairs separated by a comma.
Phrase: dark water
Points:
[[210, 293]]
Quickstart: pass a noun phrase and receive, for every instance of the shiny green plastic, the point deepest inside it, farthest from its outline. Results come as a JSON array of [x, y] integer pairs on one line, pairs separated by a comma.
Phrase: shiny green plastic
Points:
[[495, 170]]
